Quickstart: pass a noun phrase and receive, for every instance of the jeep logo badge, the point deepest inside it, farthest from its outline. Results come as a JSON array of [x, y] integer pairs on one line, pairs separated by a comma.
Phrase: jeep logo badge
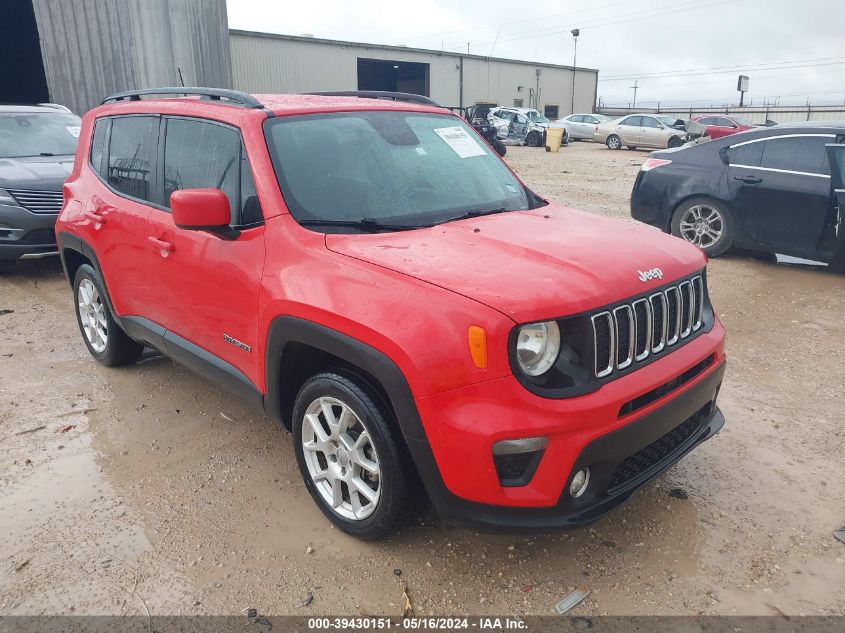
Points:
[[654, 273]]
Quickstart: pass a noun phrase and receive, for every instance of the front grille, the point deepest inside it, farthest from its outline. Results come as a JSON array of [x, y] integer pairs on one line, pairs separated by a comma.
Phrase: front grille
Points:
[[630, 333], [662, 448], [38, 201]]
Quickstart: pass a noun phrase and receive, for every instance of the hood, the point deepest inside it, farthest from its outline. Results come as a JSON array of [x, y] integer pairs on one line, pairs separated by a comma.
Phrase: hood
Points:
[[531, 265], [46, 173]]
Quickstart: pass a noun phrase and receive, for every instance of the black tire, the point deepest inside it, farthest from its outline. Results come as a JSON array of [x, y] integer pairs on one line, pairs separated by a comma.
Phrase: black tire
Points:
[[675, 141], [613, 142], [534, 139], [726, 223], [500, 148], [566, 139], [394, 504], [119, 349], [632, 147]]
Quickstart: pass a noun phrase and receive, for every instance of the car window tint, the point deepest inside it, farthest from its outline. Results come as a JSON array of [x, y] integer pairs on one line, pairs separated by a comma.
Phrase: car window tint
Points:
[[799, 153], [132, 150], [649, 122], [250, 207], [98, 142], [746, 154], [201, 155]]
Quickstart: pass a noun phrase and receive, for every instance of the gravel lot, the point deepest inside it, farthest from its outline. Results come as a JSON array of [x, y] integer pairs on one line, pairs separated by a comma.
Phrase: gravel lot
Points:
[[123, 490]]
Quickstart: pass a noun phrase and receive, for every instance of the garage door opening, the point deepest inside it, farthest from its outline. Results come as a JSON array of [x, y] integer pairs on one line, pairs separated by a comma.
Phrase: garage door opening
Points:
[[393, 76], [23, 81]]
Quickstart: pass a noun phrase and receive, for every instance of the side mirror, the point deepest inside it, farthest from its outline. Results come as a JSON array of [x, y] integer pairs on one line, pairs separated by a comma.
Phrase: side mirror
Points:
[[201, 210]]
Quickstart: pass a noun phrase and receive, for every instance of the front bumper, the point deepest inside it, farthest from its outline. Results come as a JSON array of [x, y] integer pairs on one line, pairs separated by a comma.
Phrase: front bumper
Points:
[[26, 235], [623, 451]]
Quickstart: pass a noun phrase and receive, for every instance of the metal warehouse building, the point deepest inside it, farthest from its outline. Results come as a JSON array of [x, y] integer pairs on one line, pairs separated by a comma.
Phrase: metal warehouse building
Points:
[[267, 63]]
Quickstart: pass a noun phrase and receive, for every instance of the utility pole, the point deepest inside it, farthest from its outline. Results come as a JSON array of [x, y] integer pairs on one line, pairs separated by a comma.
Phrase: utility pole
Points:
[[575, 34], [635, 86], [467, 48]]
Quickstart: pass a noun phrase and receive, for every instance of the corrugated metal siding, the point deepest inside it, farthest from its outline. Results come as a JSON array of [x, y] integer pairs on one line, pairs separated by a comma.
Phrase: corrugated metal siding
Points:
[[93, 48], [267, 63]]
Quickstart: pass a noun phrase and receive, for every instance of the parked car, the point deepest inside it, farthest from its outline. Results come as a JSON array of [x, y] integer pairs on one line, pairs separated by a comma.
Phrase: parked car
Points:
[[719, 126], [582, 126], [37, 143], [767, 189], [525, 126], [373, 276], [641, 130]]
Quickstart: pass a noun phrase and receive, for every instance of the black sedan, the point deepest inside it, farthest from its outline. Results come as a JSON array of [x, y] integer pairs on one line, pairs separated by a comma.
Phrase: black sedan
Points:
[[776, 190]]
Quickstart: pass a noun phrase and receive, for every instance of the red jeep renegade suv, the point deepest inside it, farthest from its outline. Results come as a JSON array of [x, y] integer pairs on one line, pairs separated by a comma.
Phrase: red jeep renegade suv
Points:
[[367, 271]]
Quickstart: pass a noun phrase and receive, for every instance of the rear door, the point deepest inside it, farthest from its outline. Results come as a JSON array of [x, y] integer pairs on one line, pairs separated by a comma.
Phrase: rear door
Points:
[[781, 190], [628, 130], [115, 212], [836, 229], [206, 287]]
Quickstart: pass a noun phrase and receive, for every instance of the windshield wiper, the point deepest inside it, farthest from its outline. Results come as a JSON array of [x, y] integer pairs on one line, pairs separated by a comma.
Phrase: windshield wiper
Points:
[[477, 213], [46, 154], [369, 224]]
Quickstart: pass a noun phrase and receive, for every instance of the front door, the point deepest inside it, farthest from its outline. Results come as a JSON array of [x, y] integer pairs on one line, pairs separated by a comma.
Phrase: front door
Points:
[[652, 133], [836, 157], [781, 189], [206, 286]]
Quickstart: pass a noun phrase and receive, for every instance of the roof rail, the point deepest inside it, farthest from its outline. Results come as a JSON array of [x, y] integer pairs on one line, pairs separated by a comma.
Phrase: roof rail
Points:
[[234, 97], [55, 106], [378, 94]]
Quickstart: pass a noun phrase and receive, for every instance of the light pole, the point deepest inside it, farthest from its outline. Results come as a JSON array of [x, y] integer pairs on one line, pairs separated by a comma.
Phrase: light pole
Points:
[[575, 34]]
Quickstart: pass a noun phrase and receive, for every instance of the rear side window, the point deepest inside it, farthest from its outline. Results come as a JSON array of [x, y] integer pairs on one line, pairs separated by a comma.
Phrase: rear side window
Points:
[[799, 153], [748, 155], [199, 154], [634, 121], [132, 149], [708, 120], [723, 122], [98, 144]]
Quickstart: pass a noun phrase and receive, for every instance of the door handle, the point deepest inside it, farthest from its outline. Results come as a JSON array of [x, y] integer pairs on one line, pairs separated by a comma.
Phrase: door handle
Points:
[[751, 180], [95, 217], [165, 248]]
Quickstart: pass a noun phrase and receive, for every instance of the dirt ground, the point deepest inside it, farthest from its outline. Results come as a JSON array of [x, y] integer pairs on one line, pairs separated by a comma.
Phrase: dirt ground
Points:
[[147, 489]]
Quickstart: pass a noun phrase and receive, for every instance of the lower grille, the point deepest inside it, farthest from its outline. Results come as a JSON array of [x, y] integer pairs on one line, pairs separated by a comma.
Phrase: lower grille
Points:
[[39, 237], [641, 461], [38, 201]]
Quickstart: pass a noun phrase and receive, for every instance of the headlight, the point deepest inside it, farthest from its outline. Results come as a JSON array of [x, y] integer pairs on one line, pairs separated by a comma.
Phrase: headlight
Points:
[[7, 199], [537, 347]]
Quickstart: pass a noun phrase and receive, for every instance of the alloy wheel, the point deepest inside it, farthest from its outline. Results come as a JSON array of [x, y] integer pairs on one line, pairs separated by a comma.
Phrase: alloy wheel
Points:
[[702, 225], [92, 315], [341, 458]]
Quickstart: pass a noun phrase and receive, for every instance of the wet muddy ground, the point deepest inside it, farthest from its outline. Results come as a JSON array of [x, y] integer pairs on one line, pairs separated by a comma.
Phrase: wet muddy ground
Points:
[[147, 489]]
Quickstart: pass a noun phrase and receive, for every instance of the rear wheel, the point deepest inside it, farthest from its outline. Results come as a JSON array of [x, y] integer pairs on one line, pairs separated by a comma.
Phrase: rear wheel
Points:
[[348, 456], [705, 223], [103, 337], [614, 142], [534, 139], [500, 148]]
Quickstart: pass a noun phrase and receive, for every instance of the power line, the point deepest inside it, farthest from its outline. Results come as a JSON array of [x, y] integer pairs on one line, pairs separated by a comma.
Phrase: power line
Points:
[[732, 69]]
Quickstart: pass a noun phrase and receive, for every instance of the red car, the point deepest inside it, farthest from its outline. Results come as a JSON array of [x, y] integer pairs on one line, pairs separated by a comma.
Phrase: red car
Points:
[[719, 126], [368, 272]]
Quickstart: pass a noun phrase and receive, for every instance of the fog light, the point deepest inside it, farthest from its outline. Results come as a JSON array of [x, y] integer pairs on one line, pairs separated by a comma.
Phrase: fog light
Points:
[[579, 483]]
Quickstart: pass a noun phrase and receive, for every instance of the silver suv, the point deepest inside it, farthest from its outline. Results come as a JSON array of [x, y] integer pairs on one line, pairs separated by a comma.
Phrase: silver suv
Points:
[[37, 144], [523, 125]]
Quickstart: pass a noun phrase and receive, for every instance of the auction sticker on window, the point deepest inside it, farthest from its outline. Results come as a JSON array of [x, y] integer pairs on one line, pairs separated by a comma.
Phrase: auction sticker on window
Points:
[[461, 142]]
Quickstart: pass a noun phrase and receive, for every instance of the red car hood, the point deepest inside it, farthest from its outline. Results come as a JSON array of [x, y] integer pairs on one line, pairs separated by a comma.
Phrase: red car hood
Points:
[[531, 265]]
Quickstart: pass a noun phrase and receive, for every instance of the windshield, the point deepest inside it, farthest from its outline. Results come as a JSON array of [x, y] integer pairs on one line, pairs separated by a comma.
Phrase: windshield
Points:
[[38, 134], [397, 168], [668, 121], [536, 117]]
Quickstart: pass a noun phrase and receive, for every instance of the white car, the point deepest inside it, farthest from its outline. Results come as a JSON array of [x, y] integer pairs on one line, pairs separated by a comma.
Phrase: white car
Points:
[[525, 126], [582, 126]]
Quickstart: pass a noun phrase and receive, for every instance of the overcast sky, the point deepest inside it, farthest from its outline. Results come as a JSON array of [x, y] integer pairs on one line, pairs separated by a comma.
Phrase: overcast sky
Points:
[[680, 51]]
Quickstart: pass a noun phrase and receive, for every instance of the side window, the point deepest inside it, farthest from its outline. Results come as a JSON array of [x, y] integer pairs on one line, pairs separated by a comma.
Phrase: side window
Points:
[[590, 119], [723, 122], [98, 144], [650, 122], [633, 121], [198, 154], [521, 119], [800, 153], [748, 154], [578, 118], [708, 120], [132, 149]]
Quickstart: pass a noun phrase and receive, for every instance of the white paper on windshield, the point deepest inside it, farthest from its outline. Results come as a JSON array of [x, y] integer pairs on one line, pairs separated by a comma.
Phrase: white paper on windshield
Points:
[[73, 129], [461, 142]]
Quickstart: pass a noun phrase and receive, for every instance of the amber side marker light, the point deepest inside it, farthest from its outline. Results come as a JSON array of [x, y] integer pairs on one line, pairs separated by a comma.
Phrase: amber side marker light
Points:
[[478, 346]]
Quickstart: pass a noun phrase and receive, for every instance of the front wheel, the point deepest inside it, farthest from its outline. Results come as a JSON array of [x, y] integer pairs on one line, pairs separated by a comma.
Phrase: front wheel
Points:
[[103, 337], [675, 141], [534, 139], [348, 456], [706, 223], [614, 142], [500, 148]]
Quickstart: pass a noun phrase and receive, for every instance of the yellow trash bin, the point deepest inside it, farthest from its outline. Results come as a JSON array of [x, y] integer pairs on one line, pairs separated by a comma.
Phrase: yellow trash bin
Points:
[[554, 137]]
